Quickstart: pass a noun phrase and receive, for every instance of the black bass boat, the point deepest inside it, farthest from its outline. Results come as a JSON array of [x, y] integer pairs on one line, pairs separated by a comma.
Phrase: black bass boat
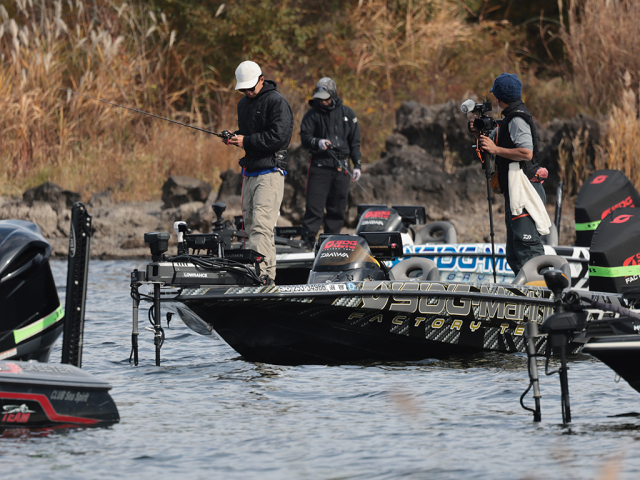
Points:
[[353, 308], [35, 394], [32, 316]]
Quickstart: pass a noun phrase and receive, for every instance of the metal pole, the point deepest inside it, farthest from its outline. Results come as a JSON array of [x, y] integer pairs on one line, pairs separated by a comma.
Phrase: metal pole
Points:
[[157, 339], [485, 158], [564, 384], [134, 333], [531, 332]]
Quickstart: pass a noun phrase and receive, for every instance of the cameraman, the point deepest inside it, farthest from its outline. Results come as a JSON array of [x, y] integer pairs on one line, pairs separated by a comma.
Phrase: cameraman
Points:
[[265, 122], [328, 124], [515, 140]]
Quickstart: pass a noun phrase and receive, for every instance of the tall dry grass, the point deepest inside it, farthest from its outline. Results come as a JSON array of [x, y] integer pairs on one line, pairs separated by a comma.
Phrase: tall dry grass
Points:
[[120, 52], [602, 43]]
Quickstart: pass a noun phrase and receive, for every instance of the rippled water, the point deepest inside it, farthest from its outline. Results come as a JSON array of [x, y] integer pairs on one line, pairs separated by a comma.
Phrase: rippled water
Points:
[[206, 413]]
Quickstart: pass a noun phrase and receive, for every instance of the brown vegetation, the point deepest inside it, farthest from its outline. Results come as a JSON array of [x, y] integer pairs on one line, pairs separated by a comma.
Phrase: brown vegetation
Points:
[[180, 65]]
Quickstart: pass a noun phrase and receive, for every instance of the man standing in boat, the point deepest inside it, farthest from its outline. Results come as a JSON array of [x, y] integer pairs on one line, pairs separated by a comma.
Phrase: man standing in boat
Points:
[[329, 124], [265, 125], [515, 144]]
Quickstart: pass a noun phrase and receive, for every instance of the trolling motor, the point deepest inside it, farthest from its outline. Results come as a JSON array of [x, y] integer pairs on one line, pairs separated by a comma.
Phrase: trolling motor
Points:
[[560, 327], [484, 125]]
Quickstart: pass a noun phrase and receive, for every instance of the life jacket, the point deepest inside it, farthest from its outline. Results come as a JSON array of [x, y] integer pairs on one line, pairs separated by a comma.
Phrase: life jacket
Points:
[[503, 139]]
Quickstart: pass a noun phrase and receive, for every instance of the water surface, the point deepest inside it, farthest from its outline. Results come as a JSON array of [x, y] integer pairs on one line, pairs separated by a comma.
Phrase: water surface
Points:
[[206, 413]]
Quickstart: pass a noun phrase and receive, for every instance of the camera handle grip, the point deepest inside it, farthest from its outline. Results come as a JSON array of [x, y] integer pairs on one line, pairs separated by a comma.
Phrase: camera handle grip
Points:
[[485, 158]]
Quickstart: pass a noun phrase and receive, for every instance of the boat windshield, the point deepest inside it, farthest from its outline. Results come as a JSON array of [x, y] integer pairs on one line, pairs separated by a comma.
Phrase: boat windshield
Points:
[[339, 253]]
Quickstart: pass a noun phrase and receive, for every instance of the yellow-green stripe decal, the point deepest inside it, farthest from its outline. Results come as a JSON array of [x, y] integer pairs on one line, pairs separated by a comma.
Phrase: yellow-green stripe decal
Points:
[[39, 325], [583, 227], [612, 272]]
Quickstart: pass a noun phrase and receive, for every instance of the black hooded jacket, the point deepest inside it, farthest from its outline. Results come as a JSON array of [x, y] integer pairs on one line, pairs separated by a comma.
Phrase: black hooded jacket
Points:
[[336, 123], [266, 122]]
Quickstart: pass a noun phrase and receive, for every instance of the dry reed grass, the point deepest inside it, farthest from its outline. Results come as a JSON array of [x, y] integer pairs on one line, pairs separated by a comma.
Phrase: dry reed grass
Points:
[[129, 56], [602, 43]]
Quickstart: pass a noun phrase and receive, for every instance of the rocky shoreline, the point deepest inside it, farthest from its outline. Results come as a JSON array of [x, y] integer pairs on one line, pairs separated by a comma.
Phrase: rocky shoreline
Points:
[[427, 161]]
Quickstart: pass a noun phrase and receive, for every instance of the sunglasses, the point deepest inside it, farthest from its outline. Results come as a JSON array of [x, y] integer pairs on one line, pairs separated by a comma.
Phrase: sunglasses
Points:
[[243, 90]]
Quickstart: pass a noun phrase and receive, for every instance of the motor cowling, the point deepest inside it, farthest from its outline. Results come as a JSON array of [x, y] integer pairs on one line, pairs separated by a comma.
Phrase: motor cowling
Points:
[[615, 252], [345, 258], [604, 192], [380, 220]]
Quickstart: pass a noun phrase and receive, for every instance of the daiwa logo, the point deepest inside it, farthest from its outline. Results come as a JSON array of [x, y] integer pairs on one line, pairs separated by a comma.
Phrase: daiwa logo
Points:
[[334, 255], [199, 275]]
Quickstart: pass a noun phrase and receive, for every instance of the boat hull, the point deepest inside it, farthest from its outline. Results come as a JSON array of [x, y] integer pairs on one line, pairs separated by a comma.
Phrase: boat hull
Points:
[[38, 395], [379, 321]]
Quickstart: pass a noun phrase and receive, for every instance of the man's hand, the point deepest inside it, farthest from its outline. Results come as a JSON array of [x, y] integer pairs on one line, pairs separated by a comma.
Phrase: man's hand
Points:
[[357, 173], [513, 154], [323, 144], [237, 141], [487, 145]]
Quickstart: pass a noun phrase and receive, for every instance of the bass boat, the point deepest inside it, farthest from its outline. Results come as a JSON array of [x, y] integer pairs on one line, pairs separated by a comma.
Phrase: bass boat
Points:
[[353, 307]]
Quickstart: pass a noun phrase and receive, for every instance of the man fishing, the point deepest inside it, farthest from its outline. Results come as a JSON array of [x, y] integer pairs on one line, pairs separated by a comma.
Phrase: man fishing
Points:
[[515, 144], [329, 124], [265, 125]]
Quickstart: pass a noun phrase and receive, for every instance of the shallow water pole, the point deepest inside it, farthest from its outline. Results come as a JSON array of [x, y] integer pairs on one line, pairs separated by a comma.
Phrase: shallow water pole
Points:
[[135, 333], [157, 338], [531, 333]]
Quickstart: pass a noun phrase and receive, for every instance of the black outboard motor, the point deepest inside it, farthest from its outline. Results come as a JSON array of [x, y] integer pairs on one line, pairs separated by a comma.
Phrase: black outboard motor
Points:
[[32, 317], [380, 219], [615, 252], [604, 192], [345, 258]]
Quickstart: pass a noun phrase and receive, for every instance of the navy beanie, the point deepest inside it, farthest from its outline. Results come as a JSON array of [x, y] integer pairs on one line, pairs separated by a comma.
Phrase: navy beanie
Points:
[[507, 87]]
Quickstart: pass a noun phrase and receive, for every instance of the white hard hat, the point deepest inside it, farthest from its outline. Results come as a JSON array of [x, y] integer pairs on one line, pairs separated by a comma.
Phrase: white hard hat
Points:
[[247, 75]]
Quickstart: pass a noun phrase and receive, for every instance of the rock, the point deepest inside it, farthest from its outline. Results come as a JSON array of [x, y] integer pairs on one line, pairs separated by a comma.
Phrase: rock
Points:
[[52, 194], [179, 189], [101, 199]]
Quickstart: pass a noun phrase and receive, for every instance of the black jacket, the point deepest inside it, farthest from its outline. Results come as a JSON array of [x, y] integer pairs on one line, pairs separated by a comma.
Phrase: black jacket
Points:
[[336, 123], [266, 122], [515, 109]]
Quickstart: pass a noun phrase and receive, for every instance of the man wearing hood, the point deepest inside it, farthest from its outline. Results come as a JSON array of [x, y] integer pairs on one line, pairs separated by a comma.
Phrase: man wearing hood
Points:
[[328, 124], [265, 122]]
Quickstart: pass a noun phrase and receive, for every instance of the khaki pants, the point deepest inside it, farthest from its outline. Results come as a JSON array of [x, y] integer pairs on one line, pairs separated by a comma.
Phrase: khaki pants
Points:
[[262, 197]]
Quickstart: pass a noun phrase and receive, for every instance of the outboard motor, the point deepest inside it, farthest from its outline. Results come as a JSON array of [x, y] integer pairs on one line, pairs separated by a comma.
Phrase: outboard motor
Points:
[[32, 318], [383, 219], [615, 252], [604, 192], [345, 258]]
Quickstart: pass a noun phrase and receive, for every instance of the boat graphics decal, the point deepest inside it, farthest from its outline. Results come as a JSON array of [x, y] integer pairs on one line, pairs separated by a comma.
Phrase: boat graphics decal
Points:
[[46, 405], [478, 268], [38, 326]]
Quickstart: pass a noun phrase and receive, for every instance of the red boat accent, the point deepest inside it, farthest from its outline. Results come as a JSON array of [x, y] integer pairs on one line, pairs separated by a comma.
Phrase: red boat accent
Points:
[[48, 408]]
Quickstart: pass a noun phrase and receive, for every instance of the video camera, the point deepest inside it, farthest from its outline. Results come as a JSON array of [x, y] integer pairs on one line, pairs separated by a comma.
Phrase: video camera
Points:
[[484, 124]]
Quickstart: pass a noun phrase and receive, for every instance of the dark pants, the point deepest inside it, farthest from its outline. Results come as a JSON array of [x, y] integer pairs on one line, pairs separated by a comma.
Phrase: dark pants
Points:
[[523, 240], [326, 187]]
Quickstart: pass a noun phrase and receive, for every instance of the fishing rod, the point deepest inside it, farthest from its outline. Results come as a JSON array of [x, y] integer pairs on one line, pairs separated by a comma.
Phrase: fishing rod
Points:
[[225, 134], [330, 152]]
